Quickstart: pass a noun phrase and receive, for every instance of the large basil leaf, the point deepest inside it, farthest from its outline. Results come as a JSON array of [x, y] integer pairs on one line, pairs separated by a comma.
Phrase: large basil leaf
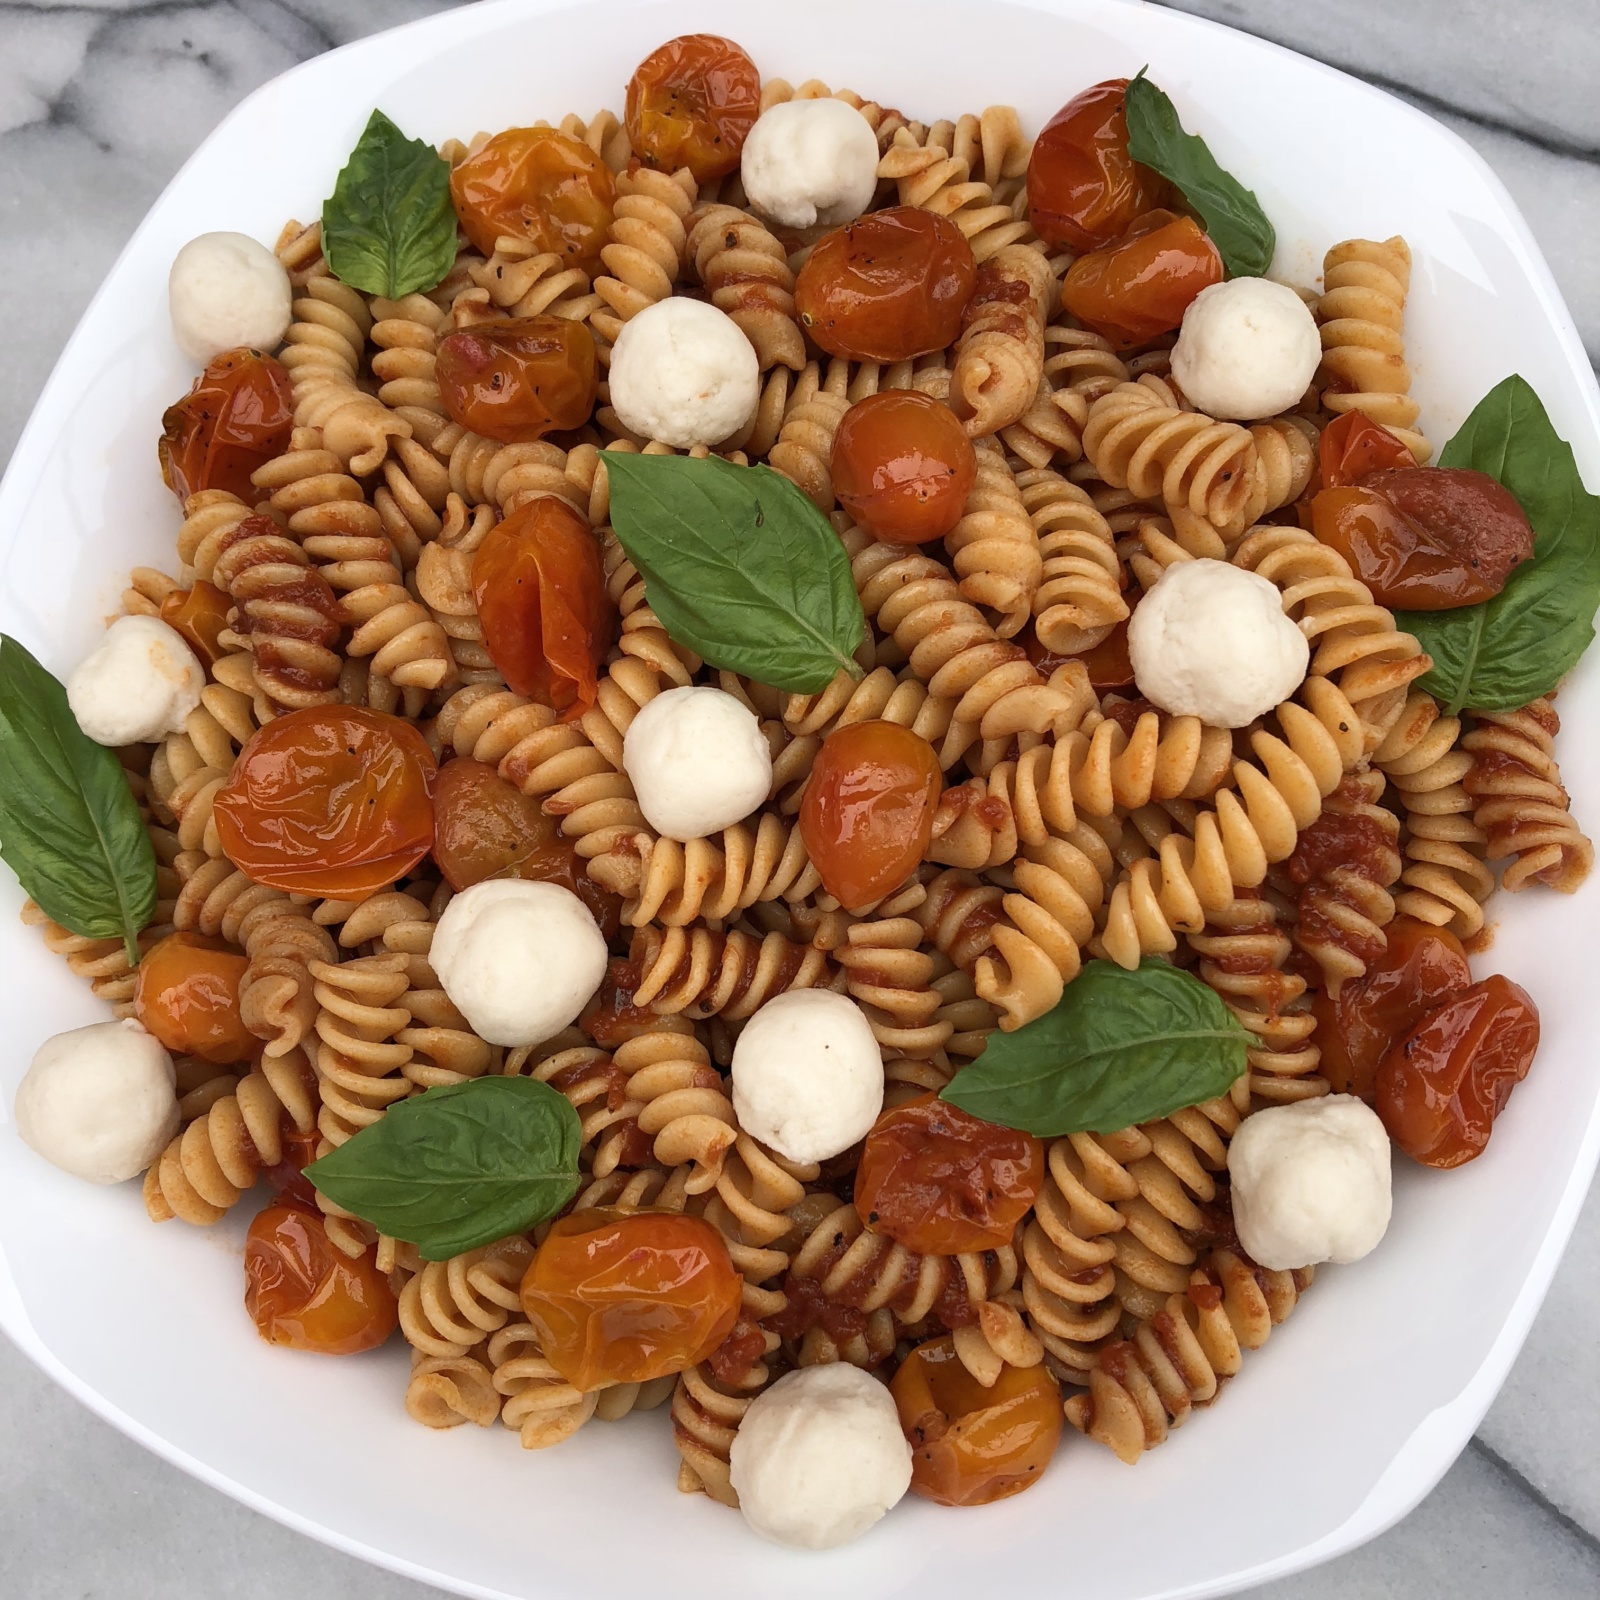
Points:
[[739, 566], [69, 826], [459, 1166], [1120, 1047], [1507, 651]]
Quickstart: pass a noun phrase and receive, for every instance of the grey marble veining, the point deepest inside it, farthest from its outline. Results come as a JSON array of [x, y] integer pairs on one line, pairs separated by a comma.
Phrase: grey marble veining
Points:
[[101, 101]]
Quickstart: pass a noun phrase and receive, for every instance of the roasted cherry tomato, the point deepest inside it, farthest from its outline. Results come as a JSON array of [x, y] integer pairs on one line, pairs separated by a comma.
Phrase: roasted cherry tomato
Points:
[[288, 1176], [1353, 445], [888, 286], [903, 466], [334, 800], [303, 1293], [1426, 538], [1084, 189], [1142, 285], [541, 594], [517, 381], [971, 1445], [623, 1297], [236, 418], [867, 815], [611, 1017], [537, 184], [1441, 1087], [199, 613], [692, 103], [940, 1181], [188, 996]]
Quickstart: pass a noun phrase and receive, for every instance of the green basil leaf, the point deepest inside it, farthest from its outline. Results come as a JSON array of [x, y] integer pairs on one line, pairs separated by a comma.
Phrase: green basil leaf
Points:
[[69, 826], [389, 228], [739, 566], [1501, 654], [459, 1166], [1120, 1047], [1233, 216]]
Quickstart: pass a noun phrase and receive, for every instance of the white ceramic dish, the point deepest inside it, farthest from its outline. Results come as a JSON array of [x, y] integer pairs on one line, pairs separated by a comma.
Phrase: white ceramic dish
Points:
[[1360, 1401]]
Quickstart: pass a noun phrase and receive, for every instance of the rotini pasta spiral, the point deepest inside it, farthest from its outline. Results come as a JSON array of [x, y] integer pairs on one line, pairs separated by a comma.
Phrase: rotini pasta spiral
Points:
[[358, 1061], [999, 362], [644, 247], [994, 548], [926, 174], [448, 1308], [523, 281], [699, 973], [1079, 599], [746, 271]]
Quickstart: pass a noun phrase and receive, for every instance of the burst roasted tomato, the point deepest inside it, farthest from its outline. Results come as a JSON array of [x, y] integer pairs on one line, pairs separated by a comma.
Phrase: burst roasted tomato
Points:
[[1142, 285], [623, 1297], [537, 184], [940, 1181], [889, 286], [1352, 446], [518, 380], [692, 103], [1442, 1086], [333, 800], [302, 1292], [236, 418], [971, 1445], [199, 613], [903, 466], [611, 1017], [187, 995]]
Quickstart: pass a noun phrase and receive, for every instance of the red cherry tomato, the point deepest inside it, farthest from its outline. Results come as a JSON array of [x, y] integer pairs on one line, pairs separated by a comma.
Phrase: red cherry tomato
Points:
[[537, 184], [1142, 285], [187, 995], [236, 418], [333, 800], [867, 814], [199, 613], [1353, 445], [1442, 1086], [889, 286], [939, 1181], [692, 103], [516, 381], [903, 466]]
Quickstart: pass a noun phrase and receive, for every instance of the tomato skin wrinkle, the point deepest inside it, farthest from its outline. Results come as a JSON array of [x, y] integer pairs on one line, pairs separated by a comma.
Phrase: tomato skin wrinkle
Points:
[[538, 184], [235, 419], [1140, 286], [692, 103]]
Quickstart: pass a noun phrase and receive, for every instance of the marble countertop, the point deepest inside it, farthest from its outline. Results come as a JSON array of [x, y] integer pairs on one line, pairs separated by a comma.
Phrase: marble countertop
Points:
[[102, 100]]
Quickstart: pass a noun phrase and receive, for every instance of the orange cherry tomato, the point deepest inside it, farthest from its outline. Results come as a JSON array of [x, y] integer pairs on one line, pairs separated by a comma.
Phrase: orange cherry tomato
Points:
[[199, 613], [187, 995], [541, 594], [971, 1445], [623, 1297], [333, 800], [1084, 189], [516, 381], [302, 1292], [537, 184], [903, 466], [1353, 445], [236, 418], [1442, 1086], [692, 103], [940, 1181], [299, 1151], [867, 814], [888, 286], [1142, 285]]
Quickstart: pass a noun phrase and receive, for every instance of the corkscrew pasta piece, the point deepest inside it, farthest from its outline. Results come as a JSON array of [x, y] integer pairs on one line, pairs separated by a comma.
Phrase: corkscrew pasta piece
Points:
[[102, 963], [407, 333], [1079, 599], [927, 175], [744, 268], [540, 1406], [444, 585], [994, 548], [187, 769], [882, 694], [891, 977], [1104, 765], [706, 1413], [448, 1308], [999, 361], [699, 973], [597, 1089], [644, 247], [445, 1391], [973, 825], [523, 281], [803, 452], [358, 1059]]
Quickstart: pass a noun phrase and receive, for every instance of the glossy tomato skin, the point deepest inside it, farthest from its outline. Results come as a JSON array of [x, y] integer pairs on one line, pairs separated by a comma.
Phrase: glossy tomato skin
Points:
[[623, 1297], [332, 800], [867, 814], [940, 1181], [970, 1445], [518, 380], [187, 995], [611, 1017], [903, 466], [1084, 189], [537, 184], [236, 418], [199, 613], [1141, 286], [1442, 1086], [541, 594], [303, 1293], [889, 286], [692, 103], [1353, 445]]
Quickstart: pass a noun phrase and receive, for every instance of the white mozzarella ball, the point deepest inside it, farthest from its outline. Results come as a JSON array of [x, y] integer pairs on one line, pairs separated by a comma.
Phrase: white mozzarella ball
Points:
[[99, 1102], [808, 1074], [1310, 1182], [698, 760], [1248, 348], [810, 162], [683, 372], [141, 683], [519, 960], [226, 290], [1211, 640], [819, 1457]]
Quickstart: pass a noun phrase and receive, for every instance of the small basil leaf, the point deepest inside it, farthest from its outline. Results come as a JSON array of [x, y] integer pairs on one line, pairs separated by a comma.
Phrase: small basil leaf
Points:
[[1233, 216], [1119, 1048], [69, 826], [1501, 654], [459, 1166], [389, 228], [739, 566]]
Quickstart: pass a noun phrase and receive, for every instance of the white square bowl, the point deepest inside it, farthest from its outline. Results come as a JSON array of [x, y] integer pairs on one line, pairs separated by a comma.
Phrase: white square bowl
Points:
[[1357, 1405]]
